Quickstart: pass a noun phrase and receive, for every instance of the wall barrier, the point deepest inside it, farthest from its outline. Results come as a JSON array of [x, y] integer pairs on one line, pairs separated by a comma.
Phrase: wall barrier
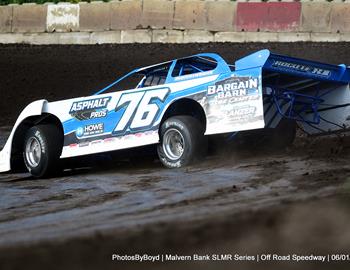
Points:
[[175, 21]]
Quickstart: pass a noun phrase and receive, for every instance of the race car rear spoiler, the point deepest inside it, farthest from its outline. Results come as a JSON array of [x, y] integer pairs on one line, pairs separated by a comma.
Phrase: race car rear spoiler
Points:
[[275, 63], [317, 95]]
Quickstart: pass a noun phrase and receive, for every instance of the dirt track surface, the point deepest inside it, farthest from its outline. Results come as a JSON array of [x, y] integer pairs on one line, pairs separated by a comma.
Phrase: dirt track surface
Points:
[[236, 201], [82, 202]]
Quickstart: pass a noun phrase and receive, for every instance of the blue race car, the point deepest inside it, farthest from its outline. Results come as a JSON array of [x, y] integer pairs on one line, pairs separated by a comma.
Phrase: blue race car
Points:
[[176, 104]]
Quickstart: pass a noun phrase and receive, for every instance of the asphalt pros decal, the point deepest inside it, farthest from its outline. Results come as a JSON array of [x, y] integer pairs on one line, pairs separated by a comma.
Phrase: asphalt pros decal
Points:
[[234, 102], [90, 109]]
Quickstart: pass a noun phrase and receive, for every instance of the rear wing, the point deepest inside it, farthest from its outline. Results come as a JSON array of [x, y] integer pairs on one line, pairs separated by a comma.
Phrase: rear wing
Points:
[[307, 69], [315, 94], [295, 66]]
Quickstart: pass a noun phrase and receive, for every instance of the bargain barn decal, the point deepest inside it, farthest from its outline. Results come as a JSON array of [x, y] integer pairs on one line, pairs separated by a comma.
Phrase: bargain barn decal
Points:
[[235, 101], [234, 90]]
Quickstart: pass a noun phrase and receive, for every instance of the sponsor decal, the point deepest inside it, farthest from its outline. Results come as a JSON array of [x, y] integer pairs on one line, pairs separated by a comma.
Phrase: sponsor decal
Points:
[[90, 109], [302, 68], [90, 130], [194, 75], [234, 101], [108, 140], [96, 142], [242, 112], [84, 144], [232, 90], [233, 87], [73, 145], [87, 115]]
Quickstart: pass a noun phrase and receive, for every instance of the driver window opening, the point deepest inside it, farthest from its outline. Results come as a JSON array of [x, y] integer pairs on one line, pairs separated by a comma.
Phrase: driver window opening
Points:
[[193, 65], [152, 76]]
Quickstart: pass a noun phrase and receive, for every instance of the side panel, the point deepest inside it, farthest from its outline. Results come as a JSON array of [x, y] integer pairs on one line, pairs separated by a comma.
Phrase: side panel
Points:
[[110, 121], [120, 120]]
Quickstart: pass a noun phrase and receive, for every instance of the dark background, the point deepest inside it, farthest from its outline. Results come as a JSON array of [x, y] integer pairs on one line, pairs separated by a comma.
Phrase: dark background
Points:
[[28, 73]]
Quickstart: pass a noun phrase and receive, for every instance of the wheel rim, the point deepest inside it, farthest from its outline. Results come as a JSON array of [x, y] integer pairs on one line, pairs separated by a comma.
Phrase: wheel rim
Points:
[[173, 144], [33, 152]]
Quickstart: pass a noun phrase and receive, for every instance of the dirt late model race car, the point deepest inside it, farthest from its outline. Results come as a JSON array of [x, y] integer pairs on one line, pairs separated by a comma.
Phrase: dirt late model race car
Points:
[[176, 104]]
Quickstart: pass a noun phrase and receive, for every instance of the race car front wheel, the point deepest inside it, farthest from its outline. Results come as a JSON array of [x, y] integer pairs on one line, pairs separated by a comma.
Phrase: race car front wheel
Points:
[[42, 149], [182, 141]]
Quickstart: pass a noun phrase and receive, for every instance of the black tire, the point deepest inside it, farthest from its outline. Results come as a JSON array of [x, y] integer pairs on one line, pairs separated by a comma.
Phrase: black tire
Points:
[[278, 138], [284, 134], [49, 139], [191, 132]]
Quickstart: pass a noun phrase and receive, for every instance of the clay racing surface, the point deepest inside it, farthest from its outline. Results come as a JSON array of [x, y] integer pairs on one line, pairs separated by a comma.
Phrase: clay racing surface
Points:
[[238, 200]]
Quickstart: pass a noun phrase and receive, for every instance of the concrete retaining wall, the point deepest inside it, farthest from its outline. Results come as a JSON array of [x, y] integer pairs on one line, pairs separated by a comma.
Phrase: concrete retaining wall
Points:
[[175, 21]]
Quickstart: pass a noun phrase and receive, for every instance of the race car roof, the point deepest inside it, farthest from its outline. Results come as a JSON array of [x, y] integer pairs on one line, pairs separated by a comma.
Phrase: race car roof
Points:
[[214, 56]]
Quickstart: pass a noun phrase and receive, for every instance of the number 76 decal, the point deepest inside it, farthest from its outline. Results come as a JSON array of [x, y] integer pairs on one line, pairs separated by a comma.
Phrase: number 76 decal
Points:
[[140, 109]]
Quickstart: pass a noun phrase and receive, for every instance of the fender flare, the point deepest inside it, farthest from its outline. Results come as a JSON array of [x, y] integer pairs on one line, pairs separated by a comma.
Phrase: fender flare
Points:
[[35, 108], [182, 99]]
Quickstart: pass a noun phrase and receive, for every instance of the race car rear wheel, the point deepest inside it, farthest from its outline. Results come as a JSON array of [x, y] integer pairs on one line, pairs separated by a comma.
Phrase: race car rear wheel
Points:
[[284, 134], [182, 141], [277, 139], [42, 149]]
